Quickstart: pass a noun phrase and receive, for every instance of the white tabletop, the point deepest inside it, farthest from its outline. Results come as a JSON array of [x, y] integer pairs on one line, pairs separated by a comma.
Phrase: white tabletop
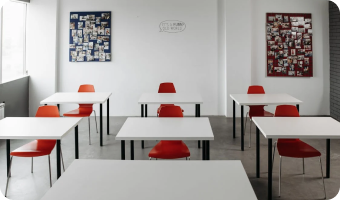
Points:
[[298, 127], [152, 180], [37, 127], [264, 99], [161, 128], [77, 98], [170, 98]]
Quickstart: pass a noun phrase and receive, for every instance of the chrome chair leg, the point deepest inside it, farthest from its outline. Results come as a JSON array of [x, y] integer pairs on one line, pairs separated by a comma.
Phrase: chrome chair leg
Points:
[[188, 158], [62, 159], [89, 131], [245, 126], [303, 165], [250, 122], [324, 188], [150, 158], [49, 165], [32, 166], [280, 177], [95, 118], [275, 143], [9, 172]]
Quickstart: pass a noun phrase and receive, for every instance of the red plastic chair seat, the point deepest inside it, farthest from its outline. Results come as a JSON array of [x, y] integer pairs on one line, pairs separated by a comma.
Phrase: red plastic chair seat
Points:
[[79, 113], [35, 148], [261, 114], [170, 150], [296, 148]]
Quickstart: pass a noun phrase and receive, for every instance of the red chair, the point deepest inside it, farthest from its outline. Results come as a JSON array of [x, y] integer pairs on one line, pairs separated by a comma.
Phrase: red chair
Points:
[[38, 148], [170, 149], [166, 88], [256, 111], [84, 110], [294, 148]]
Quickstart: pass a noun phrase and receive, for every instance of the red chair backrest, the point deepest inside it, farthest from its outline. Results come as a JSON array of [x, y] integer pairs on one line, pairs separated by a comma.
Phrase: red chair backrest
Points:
[[256, 89], [86, 88], [286, 111], [171, 111], [47, 111], [166, 88]]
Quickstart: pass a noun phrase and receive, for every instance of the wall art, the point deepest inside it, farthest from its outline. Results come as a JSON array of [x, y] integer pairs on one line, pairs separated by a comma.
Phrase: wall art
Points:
[[90, 37], [289, 44]]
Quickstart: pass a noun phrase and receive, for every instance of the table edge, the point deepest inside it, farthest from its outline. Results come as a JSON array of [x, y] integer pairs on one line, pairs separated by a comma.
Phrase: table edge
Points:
[[73, 102]]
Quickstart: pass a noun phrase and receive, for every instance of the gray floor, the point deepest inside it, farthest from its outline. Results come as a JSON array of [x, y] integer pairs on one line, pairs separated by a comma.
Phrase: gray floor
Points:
[[27, 185]]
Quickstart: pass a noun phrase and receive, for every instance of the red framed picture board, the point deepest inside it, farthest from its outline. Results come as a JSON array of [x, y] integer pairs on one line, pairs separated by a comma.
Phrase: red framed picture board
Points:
[[289, 45]]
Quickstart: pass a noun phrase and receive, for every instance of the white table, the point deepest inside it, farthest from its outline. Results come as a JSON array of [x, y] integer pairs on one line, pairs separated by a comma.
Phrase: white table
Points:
[[152, 180], [290, 128], [259, 99], [161, 128], [49, 128], [170, 98], [84, 98]]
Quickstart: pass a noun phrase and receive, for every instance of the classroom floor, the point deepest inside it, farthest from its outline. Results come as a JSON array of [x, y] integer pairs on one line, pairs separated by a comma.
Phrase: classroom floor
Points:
[[26, 185]]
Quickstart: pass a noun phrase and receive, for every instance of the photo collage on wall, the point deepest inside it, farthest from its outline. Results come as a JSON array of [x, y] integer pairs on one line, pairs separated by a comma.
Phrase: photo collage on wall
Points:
[[289, 45], [90, 37]]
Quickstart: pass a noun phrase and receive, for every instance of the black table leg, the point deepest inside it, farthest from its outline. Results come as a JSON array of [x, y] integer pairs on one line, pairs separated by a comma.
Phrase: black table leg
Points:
[[257, 153], [197, 114], [203, 150], [207, 150], [196, 111], [142, 110], [298, 107], [328, 159], [101, 124], [58, 105], [234, 120], [142, 115], [8, 154], [76, 140], [242, 130], [145, 115], [122, 149], [108, 117], [199, 110], [132, 150], [270, 169], [58, 160]]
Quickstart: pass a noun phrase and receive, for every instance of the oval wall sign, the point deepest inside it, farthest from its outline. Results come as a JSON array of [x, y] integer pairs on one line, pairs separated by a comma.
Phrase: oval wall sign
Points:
[[172, 26]]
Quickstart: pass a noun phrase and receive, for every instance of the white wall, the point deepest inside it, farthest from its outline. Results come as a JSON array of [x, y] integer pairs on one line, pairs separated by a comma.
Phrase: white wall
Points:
[[238, 49], [222, 57], [246, 53], [222, 51], [143, 57], [314, 91], [41, 50]]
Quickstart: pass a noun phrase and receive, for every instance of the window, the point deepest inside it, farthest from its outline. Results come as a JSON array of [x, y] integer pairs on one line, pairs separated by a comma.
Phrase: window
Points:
[[13, 40]]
